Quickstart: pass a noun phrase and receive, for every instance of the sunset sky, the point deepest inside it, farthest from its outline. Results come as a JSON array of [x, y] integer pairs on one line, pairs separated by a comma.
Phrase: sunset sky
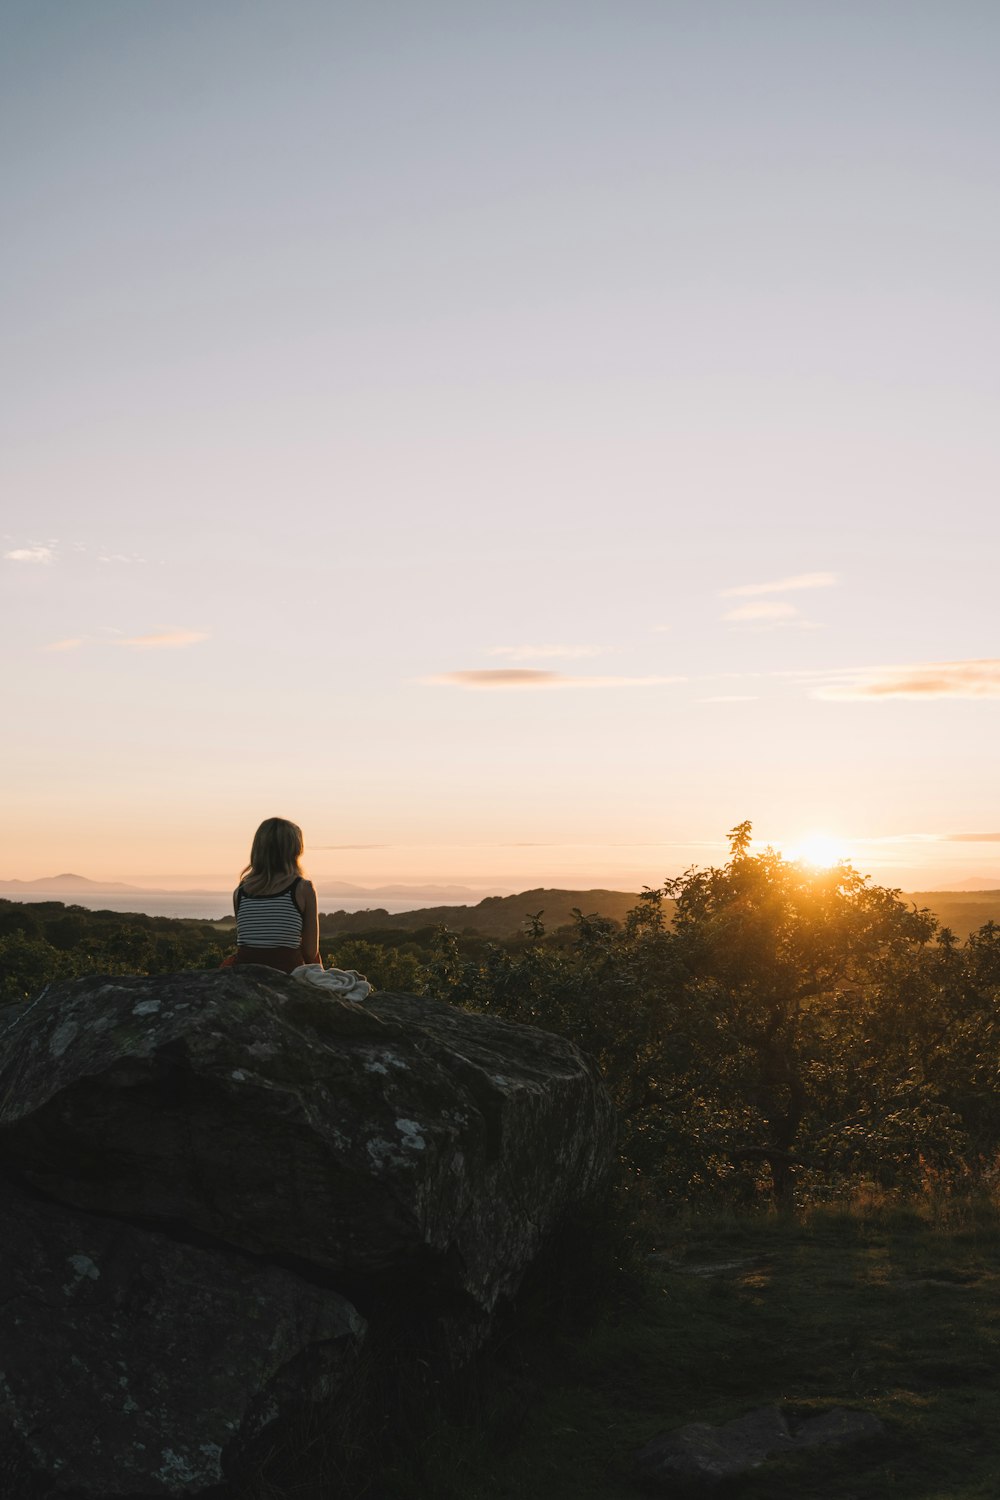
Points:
[[515, 441]]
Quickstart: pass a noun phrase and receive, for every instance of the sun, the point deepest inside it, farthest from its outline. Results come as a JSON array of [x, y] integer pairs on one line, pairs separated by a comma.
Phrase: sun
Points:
[[821, 850]]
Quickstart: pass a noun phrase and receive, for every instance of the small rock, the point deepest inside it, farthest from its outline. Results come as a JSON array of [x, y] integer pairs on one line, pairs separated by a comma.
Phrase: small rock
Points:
[[700, 1451]]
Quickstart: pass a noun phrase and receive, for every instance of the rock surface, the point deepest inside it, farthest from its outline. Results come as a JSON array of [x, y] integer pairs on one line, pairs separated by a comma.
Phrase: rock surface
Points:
[[207, 1164], [134, 1365], [403, 1135], [710, 1454]]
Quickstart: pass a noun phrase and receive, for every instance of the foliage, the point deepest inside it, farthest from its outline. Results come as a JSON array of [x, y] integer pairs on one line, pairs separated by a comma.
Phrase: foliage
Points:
[[763, 1028], [45, 941], [767, 1031], [788, 1028]]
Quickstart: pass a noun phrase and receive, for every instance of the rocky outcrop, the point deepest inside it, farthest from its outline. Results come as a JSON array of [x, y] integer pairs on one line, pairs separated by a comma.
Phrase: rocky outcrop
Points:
[[237, 1145]]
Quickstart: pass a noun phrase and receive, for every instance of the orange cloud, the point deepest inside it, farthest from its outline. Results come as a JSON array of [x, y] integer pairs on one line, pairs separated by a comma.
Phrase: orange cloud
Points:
[[765, 613], [528, 677], [783, 585], [70, 644], [946, 679], [165, 639]]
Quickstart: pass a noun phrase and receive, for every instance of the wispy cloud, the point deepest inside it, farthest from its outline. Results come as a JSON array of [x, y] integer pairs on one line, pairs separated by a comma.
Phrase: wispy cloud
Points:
[[783, 585], [38, 552], [970, 838], [30, 555], [104, 554], [351, 846], [544, 653], [946, 679], [165, 639], [730, 698], [526, 677], [70, 644], [770, 613]]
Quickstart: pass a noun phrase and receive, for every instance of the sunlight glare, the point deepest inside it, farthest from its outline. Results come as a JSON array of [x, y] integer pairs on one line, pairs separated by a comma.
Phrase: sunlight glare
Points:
[[821, 850]]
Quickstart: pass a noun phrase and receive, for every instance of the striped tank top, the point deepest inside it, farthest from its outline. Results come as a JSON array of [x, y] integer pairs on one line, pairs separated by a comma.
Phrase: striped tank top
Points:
[[268, 921]]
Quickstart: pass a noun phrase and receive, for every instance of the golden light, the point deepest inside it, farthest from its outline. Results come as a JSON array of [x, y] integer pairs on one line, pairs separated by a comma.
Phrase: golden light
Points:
[[821, 850]]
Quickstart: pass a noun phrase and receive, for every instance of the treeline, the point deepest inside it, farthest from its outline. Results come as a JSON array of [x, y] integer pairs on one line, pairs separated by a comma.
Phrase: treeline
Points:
[[763, 1028], [46, 940]]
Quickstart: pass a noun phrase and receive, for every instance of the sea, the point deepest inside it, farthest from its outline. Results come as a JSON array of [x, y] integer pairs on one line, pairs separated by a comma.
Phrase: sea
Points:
[[206, 905]]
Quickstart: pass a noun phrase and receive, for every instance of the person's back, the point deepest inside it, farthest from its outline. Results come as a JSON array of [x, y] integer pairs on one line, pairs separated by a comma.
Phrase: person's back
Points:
[[276, 917]]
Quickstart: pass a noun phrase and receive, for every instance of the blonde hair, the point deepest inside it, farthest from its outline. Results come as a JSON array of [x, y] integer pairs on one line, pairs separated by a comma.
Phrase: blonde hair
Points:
[[274, 854]]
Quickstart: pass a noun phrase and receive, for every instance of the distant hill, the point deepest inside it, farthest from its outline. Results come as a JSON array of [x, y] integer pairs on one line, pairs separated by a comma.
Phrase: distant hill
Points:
[[505, 916], [962, 911], [496, 916]]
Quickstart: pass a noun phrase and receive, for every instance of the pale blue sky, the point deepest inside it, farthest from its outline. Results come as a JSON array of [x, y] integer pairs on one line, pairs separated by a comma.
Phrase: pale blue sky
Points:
[[365, 341]]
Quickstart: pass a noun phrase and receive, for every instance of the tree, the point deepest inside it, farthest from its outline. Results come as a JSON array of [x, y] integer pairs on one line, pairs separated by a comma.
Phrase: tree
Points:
[[774, 950]]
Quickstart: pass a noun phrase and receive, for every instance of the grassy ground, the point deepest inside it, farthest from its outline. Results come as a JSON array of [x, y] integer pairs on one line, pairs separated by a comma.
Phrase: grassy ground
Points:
[[886, 1309]]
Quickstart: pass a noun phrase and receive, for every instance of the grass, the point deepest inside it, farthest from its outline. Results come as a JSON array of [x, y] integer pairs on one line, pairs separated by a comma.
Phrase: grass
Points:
[[886, 1308], [883, 1307]]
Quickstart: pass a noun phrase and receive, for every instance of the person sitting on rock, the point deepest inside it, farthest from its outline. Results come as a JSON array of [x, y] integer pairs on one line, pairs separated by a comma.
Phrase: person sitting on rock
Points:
[[276, 918]]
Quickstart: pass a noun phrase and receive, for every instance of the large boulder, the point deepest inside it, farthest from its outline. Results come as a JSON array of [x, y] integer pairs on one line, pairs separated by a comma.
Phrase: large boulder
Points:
[[407, 1137], [202, 1173]]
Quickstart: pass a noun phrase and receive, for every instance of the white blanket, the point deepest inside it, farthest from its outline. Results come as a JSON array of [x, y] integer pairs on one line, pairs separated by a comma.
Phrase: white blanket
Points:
[[346, 984]]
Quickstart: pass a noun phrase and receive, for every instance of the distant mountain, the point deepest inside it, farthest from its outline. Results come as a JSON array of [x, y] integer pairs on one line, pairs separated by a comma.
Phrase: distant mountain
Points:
[[66, 883], [393, 892], [81, 884]]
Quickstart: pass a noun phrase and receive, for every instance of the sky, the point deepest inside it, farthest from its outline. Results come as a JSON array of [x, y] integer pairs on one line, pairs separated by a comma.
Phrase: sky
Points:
[[515, 442]]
